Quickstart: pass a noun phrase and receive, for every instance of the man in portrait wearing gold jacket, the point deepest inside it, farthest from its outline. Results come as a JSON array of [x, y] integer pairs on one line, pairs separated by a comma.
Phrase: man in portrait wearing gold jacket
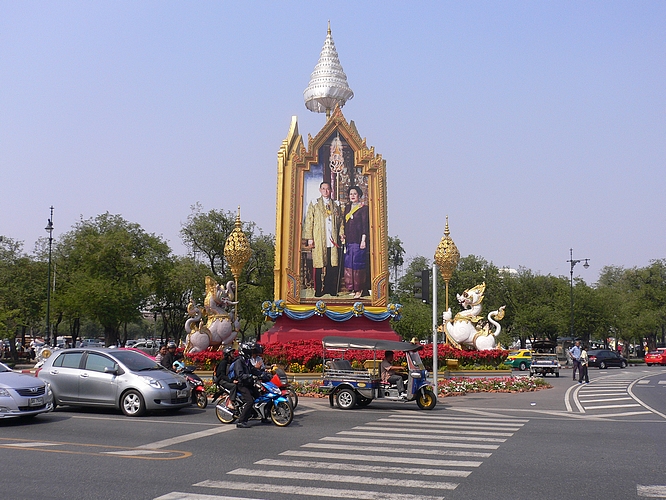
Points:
[[323, 230]]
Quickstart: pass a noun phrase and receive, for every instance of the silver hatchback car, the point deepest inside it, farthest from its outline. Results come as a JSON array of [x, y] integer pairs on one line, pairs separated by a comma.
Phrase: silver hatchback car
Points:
[[116, 378], [22, 395]]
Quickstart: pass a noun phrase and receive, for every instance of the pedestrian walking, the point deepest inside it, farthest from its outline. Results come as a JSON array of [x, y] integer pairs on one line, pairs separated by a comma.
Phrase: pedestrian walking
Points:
[[584, 361], [575, 357]]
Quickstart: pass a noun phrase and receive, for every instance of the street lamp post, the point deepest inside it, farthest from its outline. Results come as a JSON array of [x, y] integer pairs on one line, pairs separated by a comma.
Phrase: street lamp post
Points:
[[573, 264], [49, 229]]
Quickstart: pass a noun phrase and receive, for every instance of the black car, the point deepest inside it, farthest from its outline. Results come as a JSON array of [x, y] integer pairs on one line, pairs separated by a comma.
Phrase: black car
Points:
[[603, 358]]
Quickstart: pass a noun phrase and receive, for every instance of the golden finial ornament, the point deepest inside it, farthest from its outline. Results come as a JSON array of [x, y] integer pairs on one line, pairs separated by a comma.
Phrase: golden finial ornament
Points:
[[447, 256], [237, 251]]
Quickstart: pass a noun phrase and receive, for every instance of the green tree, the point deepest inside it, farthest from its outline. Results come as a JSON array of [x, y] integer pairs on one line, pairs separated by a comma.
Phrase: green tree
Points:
[[108, 269], [396, 259]]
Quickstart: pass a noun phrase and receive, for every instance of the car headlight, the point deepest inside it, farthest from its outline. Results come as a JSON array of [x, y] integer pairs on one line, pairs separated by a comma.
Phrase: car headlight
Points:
[[152, 382], [4, 393]]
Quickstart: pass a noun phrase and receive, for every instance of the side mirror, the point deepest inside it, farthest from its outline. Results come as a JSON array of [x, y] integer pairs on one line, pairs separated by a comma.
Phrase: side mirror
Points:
[[115, 370]]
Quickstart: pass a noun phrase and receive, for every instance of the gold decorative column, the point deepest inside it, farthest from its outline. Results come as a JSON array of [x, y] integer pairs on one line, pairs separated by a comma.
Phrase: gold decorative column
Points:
[[446, 258], [237, 251]]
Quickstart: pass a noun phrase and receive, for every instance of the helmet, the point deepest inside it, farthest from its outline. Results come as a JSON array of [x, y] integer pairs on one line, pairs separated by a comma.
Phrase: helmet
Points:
[[171, 345], [178, 365], [258, 349], [228, 352], [246, 349]]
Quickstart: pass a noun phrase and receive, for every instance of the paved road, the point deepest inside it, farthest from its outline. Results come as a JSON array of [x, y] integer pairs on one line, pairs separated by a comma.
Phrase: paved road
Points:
[[550, 444]]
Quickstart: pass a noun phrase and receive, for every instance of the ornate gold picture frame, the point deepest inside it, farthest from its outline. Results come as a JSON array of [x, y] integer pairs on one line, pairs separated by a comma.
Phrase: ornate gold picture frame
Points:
[[331, 218]]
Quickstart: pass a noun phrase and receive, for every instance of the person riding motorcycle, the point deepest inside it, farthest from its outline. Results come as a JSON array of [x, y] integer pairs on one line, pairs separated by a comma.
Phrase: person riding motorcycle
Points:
[[221, 377], [245, 374]]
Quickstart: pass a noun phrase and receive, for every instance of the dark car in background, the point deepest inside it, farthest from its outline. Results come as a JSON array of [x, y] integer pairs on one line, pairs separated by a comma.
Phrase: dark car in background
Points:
[[118, 378], [603, 358]]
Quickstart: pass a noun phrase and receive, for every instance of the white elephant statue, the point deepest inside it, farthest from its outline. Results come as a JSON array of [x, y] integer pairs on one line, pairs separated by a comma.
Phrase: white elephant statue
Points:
[[465, 329]]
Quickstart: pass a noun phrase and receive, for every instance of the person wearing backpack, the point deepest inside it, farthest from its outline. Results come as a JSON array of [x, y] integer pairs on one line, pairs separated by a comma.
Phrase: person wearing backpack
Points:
[[222, 378]]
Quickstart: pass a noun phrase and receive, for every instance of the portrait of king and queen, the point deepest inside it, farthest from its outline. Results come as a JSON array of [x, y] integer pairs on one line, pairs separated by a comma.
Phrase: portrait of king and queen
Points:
[[335, 237]]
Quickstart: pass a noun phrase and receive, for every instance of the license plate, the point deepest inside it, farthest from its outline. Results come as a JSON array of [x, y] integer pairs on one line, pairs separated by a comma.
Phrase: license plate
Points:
[[182, 393], [36, 401]]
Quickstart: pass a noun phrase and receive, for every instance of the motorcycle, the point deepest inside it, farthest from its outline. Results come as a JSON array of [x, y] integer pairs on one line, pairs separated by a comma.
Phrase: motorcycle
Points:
[[281, 380], [199, 396], [270, 404]]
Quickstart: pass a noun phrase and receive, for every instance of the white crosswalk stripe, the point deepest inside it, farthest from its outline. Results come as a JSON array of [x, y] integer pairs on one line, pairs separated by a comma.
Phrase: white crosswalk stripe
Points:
[[454, 449]]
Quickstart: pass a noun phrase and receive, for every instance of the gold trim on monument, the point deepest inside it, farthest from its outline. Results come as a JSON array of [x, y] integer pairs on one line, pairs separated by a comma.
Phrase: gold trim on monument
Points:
[[293, 161]]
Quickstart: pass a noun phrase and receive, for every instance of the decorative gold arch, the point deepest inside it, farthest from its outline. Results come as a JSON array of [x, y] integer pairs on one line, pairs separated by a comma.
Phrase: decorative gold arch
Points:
[[294, 163]]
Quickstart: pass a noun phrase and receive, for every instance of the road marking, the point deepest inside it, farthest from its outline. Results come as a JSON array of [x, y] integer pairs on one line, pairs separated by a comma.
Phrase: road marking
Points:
[[177, 495], [605, 400], [437, 444], [185, 437], [625, 414], [311, 491], [406, 451], [662, 382], [479, 421], [307, 464], [641, 382], [31, 444], [651, 491], [134, 452], [447, 444], [379, 458], [380, 433], [631, 393], [436, 430], [452, 425], [335, 478], [607, 407]]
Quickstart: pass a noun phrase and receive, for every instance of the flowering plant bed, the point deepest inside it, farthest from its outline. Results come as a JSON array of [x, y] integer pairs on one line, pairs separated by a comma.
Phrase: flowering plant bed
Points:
[[463, 385], [306, 356]]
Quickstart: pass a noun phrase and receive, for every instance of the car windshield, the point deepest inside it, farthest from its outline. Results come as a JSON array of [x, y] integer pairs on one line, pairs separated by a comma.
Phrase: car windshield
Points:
[[415, 359], [4, 368], [136, 362]]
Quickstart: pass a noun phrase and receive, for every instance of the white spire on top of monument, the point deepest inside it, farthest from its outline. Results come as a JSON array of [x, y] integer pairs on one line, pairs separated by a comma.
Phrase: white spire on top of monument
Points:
[[328, 82]]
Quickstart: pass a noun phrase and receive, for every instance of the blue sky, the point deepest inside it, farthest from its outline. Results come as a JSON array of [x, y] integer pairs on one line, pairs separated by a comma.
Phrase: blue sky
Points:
[[536, 126]]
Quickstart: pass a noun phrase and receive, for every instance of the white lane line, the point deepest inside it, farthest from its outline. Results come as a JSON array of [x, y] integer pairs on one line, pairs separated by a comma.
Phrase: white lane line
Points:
[[631, 393], [434, 430], [312, 492], [178, 495], [605, 400], [651, 491], [309, 464], [641, 382], [478, 421], [336, 478], [608, 407], [380, 458], [588, 392], [400, 451], [420, 436], [186, 437], [625, 414], [437, 444], [134, 452], [662, 382], [32, 444], [446, 425], [447, 444]]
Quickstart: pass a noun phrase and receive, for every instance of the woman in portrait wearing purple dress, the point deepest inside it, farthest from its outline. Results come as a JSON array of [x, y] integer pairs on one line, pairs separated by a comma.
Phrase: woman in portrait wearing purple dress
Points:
[[356, 224]]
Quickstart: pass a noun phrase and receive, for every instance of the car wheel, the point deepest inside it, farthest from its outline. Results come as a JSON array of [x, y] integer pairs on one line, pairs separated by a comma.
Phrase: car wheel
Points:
[[293, 397], [202, 400], [623, 364], [649, 364], [282, 413], [602, 365], [346, 399], [522, 366], [426, 399], [132, 403]]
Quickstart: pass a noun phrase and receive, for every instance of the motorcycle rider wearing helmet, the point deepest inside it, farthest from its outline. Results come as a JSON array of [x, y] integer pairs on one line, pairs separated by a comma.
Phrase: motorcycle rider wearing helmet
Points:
[[221, 377], [244, 375], [168, 359], [256, 360]]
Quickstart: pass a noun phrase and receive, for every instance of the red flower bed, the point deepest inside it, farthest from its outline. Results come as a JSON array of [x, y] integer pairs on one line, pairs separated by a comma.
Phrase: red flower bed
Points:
[[309, 353]]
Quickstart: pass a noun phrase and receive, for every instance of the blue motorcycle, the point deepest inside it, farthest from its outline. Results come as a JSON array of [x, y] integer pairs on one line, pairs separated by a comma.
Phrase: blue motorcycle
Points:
[[270, 404]]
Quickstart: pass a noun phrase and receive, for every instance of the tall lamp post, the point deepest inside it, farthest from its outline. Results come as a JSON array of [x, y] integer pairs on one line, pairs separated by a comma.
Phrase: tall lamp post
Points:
[[573, 264], [49, 229]]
